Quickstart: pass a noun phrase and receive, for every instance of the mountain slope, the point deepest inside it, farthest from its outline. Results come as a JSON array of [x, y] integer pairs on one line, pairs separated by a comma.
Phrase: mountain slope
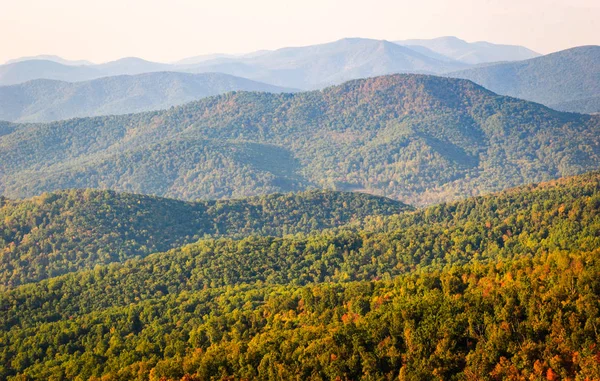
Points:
[[317, 66], [589, 105], [420, 139], [72, 230], [46, 100], [485, 288], [566, 76], [472, 52]]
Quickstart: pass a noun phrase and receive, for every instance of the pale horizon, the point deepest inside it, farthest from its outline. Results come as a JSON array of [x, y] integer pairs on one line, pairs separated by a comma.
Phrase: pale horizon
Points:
[[161, 32]]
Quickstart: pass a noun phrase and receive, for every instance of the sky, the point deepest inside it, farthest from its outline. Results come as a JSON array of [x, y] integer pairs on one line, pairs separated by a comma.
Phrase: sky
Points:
[[169, 30]]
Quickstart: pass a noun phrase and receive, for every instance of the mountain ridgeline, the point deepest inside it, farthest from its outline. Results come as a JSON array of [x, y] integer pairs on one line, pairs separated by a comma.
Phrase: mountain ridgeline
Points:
[[317, 66], [305, 67], [415, 138], [71, 230], [568, 80], [496, 287], [470, 52], [47, 100]]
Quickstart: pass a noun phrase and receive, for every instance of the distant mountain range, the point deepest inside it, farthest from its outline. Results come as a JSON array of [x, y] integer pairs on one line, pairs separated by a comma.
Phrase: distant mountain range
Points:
[[203, 58], [53, 58], [307, 67], [23, 71], [317, 66], [568, 80], [45, 100], [415, 138], [470, 52]]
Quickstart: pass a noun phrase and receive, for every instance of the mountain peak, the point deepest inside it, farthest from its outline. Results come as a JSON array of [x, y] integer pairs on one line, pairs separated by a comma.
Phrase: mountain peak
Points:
[[128, 60]]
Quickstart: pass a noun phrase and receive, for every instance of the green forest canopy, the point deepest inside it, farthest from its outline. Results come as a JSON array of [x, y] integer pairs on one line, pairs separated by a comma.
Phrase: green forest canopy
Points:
[[61, 232], [497, 287]]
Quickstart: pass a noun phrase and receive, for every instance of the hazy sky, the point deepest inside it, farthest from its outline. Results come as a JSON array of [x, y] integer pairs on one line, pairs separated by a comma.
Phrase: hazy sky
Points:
[[167, 30]]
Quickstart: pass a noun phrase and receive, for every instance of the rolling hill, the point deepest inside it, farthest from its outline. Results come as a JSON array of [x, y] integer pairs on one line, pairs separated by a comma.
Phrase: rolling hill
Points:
[[568, 78], [72, 230], [47, 100], [471, 52], [416, 138], [497, 287]]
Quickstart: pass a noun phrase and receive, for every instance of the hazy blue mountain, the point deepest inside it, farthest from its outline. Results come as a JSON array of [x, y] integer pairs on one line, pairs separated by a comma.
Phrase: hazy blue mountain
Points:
[[430, 53], [316, 66], [472, 52], [308, 67], [415, 138], [6, 127], [202, 58], [131, 66], [586, 106], [568, 78], [53, 58], [24, 71], [44, 100]]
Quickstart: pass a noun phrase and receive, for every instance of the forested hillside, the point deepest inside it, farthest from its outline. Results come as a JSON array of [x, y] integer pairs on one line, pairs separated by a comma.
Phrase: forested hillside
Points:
[[568, 78], [217, 191], [496, 287], [415, 138], [71, 230]]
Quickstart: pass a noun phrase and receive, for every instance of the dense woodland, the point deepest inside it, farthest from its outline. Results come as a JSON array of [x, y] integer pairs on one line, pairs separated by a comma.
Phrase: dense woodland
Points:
[[415, 138], [354, 210], [497, 287], [66, 231]]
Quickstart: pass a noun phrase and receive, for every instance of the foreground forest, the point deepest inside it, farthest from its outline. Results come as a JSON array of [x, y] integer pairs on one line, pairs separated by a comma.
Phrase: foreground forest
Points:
[[497, 287], [61, 232]]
